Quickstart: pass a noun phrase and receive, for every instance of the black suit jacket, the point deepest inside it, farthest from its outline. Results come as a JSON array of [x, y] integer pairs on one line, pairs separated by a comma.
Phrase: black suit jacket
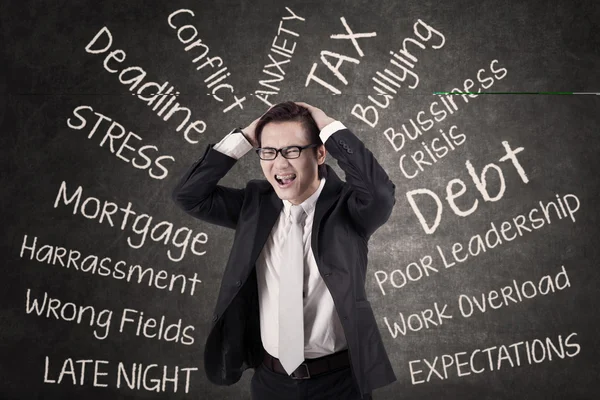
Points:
[[346, 215]]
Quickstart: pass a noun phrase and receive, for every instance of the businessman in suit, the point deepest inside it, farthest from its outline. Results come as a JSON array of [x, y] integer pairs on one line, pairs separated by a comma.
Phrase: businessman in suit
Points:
[[292, 303]]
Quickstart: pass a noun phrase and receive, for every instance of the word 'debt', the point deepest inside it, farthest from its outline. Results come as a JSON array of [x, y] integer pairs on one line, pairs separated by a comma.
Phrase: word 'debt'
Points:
[[480, 184]]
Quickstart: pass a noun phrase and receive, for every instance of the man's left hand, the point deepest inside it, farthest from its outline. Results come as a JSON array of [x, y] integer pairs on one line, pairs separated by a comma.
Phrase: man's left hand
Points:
[[321, 119]]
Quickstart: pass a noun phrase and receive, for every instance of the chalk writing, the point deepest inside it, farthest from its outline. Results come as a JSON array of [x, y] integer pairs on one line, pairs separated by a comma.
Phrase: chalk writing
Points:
[[138, 376], [74, 260], [480, 183], [115, 132], [493, 358], [499, 234], [148, 92], [188, 33], [131, 321], [280, 54], [335, 69], [94, 209], [399, 72]]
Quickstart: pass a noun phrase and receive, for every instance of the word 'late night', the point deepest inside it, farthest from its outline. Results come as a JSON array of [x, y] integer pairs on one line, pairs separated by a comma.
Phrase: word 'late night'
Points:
[[139, 376]]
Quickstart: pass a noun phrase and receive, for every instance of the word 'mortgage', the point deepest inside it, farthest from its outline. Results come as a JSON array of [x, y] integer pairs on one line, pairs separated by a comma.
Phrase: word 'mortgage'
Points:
[[142, 225]]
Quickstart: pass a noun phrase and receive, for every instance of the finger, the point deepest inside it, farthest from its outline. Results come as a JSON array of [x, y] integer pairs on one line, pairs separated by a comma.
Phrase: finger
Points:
[[265, 112], [305, 105]]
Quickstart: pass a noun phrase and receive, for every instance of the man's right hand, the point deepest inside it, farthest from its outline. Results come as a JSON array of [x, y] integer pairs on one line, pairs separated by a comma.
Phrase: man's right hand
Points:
[[250, 130]]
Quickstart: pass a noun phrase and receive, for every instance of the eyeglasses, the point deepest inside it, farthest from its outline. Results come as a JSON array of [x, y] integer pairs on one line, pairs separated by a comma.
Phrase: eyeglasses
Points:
[[270, 153]]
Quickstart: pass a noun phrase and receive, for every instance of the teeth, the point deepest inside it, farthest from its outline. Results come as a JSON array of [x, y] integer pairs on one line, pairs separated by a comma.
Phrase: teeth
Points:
[[285, 176]]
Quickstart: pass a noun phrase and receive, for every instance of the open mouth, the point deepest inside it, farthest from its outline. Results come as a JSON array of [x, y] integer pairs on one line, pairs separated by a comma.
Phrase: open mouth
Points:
[[285, 180]]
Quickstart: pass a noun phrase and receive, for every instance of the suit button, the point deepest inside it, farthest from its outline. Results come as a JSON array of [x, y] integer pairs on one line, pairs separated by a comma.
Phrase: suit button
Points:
[[342, 142], [327, 274], [238, 283], [215, 317], [345, 317], [350, 151]]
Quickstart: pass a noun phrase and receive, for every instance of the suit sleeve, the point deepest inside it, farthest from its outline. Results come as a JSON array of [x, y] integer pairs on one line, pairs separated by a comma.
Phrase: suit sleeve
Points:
[[373, 193], [198, 193]]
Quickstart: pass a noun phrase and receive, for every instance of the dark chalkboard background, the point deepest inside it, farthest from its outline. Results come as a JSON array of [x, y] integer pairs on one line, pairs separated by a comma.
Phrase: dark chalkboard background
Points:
[[543, 46]]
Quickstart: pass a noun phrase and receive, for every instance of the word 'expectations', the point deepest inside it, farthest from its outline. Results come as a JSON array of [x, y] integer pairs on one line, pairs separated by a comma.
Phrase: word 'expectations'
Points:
[[280, 54], [493, 358], [189, 33], [153, 93]]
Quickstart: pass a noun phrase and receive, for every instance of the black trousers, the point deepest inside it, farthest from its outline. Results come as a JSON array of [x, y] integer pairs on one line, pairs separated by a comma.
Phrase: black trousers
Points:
[[269, 385]]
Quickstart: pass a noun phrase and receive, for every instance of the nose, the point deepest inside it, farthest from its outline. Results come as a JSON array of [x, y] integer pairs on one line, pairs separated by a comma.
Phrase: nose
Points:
[[280, 160]]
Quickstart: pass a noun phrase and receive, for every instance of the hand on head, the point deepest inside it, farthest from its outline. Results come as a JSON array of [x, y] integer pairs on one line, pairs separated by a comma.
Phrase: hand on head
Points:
[[321, 119], [250, 130]]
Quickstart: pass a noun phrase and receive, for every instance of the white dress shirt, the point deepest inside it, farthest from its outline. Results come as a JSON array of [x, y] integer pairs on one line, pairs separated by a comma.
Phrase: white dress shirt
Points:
[[323, 332]]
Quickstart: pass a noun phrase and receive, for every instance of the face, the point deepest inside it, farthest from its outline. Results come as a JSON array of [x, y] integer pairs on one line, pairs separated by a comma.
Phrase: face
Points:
[[301, 174]]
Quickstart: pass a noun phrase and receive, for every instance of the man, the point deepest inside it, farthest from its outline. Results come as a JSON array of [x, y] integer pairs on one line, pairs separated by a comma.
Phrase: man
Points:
[[292, 302]]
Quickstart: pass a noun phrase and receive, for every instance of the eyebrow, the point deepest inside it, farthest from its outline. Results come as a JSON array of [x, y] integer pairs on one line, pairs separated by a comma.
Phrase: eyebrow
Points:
[[289, 145], [295, 144]]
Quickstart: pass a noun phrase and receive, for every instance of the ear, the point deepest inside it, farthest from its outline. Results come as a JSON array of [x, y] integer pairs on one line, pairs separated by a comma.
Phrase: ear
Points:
[[321, 154]]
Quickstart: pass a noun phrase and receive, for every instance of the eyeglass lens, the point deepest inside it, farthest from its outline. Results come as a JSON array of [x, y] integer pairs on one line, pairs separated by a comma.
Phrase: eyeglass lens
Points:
[[271, 154]]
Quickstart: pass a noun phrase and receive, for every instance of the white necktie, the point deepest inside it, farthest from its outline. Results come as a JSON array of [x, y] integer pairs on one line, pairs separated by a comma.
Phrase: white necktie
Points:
[[291, 304]]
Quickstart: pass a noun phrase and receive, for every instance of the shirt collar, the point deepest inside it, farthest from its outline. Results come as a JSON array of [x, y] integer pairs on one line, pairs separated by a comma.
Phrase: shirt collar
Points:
[[309, 204]]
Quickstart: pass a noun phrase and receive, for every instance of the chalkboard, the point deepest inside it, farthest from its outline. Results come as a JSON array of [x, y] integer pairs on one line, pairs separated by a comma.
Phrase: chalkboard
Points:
[[484, 280]]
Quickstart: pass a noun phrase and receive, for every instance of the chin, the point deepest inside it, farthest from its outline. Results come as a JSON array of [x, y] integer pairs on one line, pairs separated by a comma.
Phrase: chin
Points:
[[284, 194]]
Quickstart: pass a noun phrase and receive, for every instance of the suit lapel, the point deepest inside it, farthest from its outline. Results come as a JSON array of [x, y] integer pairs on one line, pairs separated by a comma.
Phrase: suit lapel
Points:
[[326, 200], [269, 211]]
